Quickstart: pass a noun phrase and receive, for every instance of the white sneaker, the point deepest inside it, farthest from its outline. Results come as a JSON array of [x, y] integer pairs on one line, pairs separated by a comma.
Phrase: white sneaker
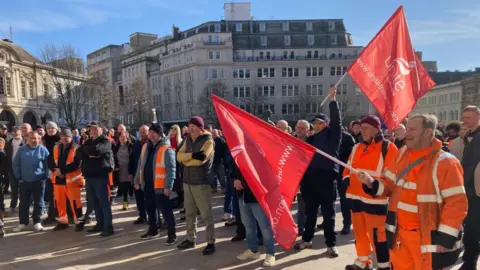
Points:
[[19, 228], [269, 261], [248, 255], [38, 227], [226, 217], [332, 252]]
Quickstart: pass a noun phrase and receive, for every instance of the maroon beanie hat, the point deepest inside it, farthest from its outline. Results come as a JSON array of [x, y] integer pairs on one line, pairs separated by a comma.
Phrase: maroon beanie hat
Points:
[[372, 120], [197, 121]]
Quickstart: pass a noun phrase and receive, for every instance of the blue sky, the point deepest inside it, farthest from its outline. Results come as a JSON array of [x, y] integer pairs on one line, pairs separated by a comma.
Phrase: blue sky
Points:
[[446, 31]]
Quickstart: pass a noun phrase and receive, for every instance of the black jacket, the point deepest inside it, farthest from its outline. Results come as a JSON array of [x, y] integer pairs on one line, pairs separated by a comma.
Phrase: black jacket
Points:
[[219, 154], [62, 162], [328, 141], [135, 153], [97, 157], [49, 142], [246, 194], [346, 147], [470, 160], [399, 143], [4, 165], [9, 153]]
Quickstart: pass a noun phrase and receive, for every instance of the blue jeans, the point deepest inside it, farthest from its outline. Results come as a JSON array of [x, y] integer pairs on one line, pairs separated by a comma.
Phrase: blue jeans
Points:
[[163, 203], [98, 194], [228, 203], [252, 214], [27, 191]]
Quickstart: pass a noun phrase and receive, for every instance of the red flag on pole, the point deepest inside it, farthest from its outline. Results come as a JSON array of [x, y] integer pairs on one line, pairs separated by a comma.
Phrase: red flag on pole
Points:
[[389, 72], [272, 162]]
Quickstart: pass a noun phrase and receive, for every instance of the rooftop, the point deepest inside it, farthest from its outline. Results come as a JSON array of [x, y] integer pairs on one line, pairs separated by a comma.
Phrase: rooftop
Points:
[[21, 54]]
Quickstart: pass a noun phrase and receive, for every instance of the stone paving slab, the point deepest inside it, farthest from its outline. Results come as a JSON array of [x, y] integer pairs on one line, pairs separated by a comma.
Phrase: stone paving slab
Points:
[[77, 250]]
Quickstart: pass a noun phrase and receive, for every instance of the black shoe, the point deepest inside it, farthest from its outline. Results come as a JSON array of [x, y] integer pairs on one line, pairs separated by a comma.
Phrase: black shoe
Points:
[[209, 250], [2, 232], [61, 227], [49, 221], [238, 238], [356, 267], [79, 227], [140, 220], [149, 235], [320, 226], [107, 233], [183, 218], [346, 230], [182, 211], [172, 239], [186, 245], [95, 229], [466, 266]]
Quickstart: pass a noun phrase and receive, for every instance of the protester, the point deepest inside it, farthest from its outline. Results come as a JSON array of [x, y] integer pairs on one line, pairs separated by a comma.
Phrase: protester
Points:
[[399, 133], [26, 129], [355, 126], [458, 144], [49, 141], [453, 130], [123, 128], [346, 147], [218, 171], [184, 132], [4, 170], [76, 136], [122, 153], [41, 131], [283, 125], [31, 169], [175, 137], [132, 171], [421, 232], [68, 179], [196, 155], [470, 163], [368, 212], [84, 135], [4, 132], [97, 164], [301, 130], [156, 176], [321, 191], [253, 215], [11, 149]]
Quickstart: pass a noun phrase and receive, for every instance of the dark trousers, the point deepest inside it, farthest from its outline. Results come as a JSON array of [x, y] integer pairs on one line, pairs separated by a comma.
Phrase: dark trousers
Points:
[[14, 193], [49, 200], [319, 190], [27, 191], [125, 189], [472, 231], [229, 190], [90, 201], [178, 185], [98, 193], [344, 205], [140, 200], [163, 203], [2, 191], [5, 183], [238, 218], [151, 206]]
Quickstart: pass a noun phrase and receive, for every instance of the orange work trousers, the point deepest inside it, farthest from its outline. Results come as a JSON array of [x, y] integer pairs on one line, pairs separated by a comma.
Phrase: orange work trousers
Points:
[[406, 253], [369, 232], [73, 194]]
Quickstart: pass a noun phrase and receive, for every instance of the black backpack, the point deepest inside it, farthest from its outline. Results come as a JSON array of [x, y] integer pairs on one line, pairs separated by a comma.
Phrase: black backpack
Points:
[[384, 148]]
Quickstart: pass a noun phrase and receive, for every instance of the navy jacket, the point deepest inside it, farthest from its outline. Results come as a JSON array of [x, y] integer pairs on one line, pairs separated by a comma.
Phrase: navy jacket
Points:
[[328, 141], [134, 157]]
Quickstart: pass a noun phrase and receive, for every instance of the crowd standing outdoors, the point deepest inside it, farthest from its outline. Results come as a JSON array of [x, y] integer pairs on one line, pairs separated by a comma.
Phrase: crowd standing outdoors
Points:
[[414, 199]]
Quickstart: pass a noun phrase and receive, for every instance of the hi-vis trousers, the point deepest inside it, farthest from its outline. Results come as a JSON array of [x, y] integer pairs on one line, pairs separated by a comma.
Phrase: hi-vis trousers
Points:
[[406, 253], [369, 232], [73, 194]]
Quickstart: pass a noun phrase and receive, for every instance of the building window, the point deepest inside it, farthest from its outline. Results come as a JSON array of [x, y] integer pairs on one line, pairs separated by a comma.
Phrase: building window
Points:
[[241, 91], [238, 27], [262, 27], [2, 86], [314, 71], [30, 90], [8, 86], [311, 40], [266, 72], [333, 39], [290, 109], [263, 41], [289, 72], [290, 90], [266, 91], [338, 70], [309, 26], [285, 26], [261, 108], [190, 95], [286, 40], [313, 108], [331, 26], [23, 86], [179, 112], [214, 74], [245, 107], [292, 55], [342, 89], [241, 73], [210, 56], [314, 89], [268, 55], [217, 28], [217, 55], [285, 55]]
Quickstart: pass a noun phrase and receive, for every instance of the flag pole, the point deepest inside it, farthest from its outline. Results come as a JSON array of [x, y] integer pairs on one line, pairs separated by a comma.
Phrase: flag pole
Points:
[[336, 85], [353, 170]]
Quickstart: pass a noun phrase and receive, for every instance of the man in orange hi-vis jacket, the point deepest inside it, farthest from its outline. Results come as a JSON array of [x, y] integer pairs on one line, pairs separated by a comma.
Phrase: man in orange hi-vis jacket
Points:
[[369, 212], [68, 179], [427, 202]]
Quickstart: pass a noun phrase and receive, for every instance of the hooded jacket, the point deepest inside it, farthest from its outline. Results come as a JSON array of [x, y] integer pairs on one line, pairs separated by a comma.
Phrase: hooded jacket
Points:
[[97, 157]]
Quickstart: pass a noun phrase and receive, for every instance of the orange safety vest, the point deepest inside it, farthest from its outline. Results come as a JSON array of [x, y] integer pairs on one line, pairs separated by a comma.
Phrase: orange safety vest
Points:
[[160, 170], [439, 202], [74, 178]]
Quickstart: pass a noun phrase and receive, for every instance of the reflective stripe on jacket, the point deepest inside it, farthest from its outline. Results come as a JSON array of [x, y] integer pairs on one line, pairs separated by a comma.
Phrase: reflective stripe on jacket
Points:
[[74, 178], [441, 203]]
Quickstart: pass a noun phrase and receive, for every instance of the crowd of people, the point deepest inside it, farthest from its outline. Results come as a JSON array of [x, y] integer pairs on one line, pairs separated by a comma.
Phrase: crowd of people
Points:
[[406, 196]]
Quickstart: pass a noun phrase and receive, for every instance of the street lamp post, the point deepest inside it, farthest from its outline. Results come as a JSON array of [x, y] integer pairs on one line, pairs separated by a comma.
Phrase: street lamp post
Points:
[[154, 112]]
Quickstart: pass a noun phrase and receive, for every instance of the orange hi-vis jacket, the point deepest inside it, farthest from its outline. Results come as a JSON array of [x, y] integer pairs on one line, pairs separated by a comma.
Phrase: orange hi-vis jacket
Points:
[[368, 158], [74, 178], [427, 195], [160, 170]]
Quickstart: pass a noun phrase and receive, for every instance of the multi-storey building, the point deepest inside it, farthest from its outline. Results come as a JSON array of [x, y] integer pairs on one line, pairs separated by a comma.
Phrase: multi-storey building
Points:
[[285, 66], [471, 91], [27, 87], [444, 101]]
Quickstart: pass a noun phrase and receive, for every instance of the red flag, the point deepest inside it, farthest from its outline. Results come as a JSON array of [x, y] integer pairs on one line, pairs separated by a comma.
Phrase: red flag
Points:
[[389, 72], [272, 162]]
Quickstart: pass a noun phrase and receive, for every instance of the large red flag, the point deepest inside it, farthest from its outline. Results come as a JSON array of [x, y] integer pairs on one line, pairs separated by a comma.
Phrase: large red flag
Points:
[[272, 162], [389, 72]]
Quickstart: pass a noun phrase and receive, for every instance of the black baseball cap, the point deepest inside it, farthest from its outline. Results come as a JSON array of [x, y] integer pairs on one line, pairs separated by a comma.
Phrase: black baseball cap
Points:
[[321, 117], [3, 127]]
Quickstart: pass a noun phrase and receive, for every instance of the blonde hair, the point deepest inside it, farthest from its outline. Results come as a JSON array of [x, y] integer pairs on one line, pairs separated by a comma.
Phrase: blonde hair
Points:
[[178, 136]]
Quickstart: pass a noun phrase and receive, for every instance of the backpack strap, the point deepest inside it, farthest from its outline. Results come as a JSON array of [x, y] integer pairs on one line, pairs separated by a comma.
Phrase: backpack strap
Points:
[[384, 148]]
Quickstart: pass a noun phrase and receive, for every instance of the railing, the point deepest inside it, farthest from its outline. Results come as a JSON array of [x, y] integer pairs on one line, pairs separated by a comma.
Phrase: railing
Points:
[[288, 58], [207, 43]]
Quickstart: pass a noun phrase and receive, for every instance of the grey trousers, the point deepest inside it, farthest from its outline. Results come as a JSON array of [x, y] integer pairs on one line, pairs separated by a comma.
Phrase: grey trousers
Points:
[[199, 196]]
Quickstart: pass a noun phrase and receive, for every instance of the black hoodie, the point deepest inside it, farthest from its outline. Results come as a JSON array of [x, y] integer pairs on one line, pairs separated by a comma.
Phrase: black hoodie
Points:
[[97, 157], [49, 142]]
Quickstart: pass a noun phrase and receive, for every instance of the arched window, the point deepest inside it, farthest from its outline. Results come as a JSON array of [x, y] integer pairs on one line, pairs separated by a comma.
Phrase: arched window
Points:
[[456, 115], [451, 115]]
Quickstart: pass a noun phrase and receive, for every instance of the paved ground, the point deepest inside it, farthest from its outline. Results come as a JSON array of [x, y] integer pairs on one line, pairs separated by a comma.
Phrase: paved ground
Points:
[[124, 250]]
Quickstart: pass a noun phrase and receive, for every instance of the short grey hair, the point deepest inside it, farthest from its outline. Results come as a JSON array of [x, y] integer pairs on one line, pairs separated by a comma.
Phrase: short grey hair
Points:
[[304, 122], [428, 120]]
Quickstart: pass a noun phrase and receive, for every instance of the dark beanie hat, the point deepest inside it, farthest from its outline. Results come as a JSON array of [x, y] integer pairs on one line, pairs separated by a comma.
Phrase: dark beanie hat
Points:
[[66, 132], [372, 120], [158, 128], [197, 121]]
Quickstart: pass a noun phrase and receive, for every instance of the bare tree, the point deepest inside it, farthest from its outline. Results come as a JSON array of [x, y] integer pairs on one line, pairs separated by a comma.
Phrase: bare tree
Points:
[[304, 105], [218, 88], [107, 100], [138, 97], [255, 97], [72, 94]]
